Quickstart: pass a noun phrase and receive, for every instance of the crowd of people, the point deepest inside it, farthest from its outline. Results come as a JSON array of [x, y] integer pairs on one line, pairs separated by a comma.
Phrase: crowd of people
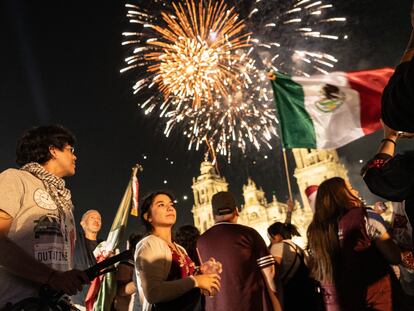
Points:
[[353, 261]]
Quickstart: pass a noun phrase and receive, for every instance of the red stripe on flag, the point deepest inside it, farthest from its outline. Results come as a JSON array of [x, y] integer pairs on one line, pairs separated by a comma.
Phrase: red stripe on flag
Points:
[[94, 288], [370, 84]]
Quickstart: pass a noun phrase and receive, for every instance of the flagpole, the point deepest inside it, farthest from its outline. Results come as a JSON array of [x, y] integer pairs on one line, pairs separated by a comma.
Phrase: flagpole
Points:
[[287, 174], [272, 76]]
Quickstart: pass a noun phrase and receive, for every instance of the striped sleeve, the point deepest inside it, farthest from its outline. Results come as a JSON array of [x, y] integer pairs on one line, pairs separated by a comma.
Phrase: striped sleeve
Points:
[[265, 261]]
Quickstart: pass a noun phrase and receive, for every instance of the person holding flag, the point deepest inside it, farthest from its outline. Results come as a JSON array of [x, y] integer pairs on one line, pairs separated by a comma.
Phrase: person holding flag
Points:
[[102, 291], [86, 242]]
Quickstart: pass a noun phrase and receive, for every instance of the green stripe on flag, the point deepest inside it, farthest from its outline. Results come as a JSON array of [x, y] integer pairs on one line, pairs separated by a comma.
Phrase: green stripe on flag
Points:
[[295, 122]]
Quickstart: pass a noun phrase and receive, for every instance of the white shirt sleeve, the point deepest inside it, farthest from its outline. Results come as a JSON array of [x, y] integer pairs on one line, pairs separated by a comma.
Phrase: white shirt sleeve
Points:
[[277, 250]]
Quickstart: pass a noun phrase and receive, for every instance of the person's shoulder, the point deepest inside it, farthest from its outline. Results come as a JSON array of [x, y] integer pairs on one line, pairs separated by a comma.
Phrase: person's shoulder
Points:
[[14, 172], [16, 175], [149, 239], [277, 246], [248, 231], [221, 227], [182, 249], [374, 218], [150, 242]]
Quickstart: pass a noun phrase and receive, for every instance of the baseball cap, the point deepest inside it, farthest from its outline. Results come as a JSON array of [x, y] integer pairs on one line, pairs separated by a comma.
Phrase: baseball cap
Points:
[[223, 203]]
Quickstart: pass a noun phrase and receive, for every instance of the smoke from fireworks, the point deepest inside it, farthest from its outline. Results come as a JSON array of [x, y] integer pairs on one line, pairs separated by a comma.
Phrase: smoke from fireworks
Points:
[[196, 65]]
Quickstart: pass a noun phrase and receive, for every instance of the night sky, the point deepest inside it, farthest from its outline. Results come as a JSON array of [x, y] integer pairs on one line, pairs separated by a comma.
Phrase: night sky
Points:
[[60, 63]]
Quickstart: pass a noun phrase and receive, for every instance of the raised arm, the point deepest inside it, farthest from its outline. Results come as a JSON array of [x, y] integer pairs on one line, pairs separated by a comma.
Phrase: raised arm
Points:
[[289, 210]]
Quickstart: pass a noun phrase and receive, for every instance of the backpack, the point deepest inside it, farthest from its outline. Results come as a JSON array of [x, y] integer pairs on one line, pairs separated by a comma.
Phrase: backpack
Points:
[[300, 291]]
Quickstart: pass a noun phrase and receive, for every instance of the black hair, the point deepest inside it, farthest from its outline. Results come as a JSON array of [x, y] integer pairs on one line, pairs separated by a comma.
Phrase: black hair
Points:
[[146, 205], [133, 239], [187, 237], [34, 144], [286, 230]]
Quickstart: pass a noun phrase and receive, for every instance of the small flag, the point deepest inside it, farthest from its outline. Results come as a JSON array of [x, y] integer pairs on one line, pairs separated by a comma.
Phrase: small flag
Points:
[[329, 111], [135, 190], [103, 289]]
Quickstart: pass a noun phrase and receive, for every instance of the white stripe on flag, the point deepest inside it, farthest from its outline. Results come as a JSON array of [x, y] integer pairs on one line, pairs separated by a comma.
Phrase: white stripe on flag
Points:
[[336, 128]]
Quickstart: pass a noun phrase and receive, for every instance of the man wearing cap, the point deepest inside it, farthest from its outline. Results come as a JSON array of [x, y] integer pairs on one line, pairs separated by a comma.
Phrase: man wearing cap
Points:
[[248, 268]]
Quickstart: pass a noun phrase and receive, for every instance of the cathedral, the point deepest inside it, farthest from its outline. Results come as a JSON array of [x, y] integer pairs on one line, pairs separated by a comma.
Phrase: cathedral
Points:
[[312, 167]]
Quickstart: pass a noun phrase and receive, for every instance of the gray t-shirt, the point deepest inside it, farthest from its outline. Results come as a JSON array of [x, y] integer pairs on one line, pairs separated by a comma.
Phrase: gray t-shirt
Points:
[[38, 228]]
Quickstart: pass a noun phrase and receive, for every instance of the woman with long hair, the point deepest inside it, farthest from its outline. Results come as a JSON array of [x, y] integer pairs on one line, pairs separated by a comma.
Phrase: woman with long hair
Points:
[[165, 273], [350, 251]]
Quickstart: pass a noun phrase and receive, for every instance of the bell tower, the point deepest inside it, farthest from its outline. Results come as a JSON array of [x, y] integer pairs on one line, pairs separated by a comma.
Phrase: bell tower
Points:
[[254, 211], [314, 166], [204, 187]]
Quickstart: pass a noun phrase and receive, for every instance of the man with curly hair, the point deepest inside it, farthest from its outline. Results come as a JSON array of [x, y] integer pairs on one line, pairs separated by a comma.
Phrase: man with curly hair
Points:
[[37, 229]]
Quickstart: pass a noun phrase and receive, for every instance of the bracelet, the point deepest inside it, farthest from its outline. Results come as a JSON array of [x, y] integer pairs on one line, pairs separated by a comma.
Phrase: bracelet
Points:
[[390, 140], [50, 276]]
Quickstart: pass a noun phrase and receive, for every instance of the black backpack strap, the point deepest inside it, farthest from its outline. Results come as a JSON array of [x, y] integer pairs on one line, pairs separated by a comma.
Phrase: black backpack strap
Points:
[[285, 277]]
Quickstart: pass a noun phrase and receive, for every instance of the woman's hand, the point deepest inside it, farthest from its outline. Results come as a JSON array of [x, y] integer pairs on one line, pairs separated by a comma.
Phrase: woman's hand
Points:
[[208, 282]]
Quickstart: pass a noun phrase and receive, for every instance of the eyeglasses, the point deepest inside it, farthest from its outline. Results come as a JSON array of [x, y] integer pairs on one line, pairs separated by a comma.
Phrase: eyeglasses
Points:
[[71, 149]]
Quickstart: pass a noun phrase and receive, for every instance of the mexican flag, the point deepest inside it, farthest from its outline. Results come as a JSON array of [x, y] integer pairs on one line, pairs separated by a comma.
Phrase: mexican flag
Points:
[[103, 288], [329, 111]]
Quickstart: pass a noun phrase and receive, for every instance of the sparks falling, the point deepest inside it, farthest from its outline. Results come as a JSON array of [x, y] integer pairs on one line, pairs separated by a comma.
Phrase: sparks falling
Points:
[[243, 120]]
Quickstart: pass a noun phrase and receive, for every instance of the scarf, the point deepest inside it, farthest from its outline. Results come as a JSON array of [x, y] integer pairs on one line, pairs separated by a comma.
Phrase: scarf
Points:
[[54, 185]]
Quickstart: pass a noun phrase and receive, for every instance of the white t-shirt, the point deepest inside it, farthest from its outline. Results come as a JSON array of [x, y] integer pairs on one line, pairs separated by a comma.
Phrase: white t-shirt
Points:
[[38, 228]]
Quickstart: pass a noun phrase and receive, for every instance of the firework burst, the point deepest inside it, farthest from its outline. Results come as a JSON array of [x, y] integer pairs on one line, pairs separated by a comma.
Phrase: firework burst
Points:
[[200, 64], [242, 120], [193, 55]]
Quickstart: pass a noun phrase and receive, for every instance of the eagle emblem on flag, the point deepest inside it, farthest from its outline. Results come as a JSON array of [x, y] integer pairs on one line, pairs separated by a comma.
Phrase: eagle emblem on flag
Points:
[[332, 98]]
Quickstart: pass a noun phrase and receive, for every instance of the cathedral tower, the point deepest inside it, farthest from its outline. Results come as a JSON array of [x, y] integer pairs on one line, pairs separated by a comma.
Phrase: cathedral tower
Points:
[[204, 187], [314, 166], [254, 211]]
